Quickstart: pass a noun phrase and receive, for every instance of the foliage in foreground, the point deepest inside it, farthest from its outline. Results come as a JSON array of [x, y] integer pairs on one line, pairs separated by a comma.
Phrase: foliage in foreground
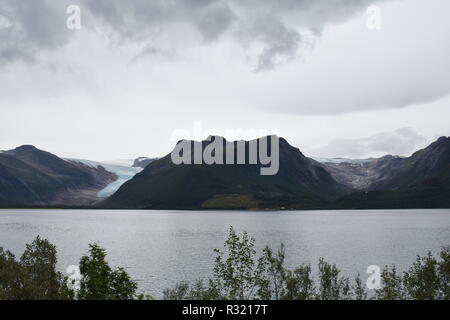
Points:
[[100, 282], [239, 273], [34, 276]]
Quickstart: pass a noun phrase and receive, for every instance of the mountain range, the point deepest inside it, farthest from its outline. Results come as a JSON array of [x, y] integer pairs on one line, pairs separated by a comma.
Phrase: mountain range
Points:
[[32, 177]]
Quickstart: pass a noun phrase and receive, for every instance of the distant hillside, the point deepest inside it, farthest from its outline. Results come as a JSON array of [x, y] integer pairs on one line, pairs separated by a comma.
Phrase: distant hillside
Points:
[[362, 174], [419, 181], [429, 164], [29, 176], [300, 182]]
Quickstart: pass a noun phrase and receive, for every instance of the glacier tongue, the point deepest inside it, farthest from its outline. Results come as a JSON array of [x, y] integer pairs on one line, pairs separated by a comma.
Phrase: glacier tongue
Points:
[[122, 168]]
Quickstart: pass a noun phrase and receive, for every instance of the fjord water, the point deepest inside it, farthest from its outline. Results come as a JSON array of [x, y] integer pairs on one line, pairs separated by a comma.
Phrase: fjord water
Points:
[[160, 248]]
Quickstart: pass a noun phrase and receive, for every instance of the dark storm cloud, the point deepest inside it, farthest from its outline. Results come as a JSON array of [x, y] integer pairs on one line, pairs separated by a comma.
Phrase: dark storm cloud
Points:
[[140, 19], [27, 27], [274, 24]]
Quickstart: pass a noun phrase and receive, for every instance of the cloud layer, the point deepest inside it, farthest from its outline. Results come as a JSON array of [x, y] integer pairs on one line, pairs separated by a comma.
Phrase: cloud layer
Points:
[[138, 70], [274, 30]]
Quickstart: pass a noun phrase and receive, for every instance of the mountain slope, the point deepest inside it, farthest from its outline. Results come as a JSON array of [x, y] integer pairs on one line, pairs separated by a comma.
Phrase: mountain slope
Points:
[[431, 163], [29, 176], [300, 182], [419, 181], [361, 175]]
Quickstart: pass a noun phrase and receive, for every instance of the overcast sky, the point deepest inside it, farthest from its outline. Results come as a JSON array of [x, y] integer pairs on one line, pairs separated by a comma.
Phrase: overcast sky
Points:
[[137, 71]]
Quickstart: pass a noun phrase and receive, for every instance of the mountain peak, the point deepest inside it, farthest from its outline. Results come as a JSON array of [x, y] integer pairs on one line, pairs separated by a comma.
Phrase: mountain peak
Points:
[[26, 147], [443, 139]]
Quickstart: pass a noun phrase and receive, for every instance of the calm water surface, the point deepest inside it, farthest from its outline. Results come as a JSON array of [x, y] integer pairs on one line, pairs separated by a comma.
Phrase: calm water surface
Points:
[[160, 248]]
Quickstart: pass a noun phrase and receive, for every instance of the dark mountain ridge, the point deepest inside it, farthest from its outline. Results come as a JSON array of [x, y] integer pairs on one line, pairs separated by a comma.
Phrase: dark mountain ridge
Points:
[[392, 172], [419, 181], [29, 176], [431, 162], [299, 182]]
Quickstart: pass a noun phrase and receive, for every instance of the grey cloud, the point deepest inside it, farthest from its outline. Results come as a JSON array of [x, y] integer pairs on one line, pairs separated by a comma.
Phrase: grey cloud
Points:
[[281, 25], [141, 19], [214, 21], [31, 26], [279, 42], [403, 141], [40, 24]]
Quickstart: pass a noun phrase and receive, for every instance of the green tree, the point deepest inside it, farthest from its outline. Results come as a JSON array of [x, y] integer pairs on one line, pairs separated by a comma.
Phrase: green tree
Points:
[[198, 291], [299, 284], [392, 285], [100, 282], [179, 292], [331, 285], [359, 290], [237, 273], [444, 274], [276, 273], [422, 280], [34, 276], [11, 277]]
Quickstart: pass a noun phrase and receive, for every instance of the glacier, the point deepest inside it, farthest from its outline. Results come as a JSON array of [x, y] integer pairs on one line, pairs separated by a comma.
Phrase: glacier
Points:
[[122, 168]]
